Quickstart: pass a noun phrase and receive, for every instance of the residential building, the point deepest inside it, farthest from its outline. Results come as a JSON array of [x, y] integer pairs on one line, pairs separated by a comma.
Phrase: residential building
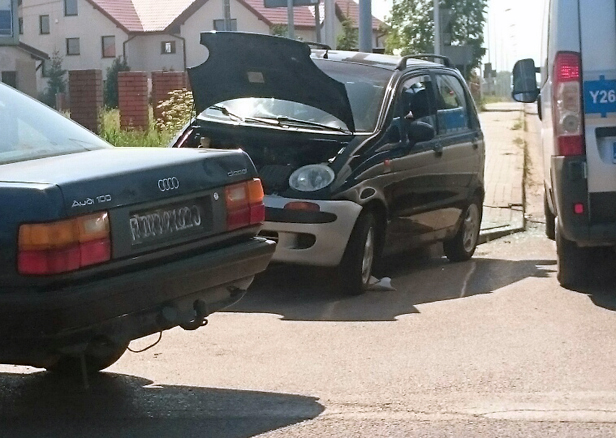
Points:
[[153, 34]]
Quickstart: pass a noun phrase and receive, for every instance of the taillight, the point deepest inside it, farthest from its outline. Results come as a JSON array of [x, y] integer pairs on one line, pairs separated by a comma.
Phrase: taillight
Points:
[[63, 246], [244, 204], [567, 104]]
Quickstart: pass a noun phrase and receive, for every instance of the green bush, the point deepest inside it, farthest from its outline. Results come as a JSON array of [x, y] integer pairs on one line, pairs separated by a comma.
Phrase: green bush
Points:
[[111, 132], [110, 91], [176, 111]]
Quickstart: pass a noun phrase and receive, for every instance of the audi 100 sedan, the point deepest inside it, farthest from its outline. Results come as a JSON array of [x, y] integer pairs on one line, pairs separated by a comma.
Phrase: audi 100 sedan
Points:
[[360, 154], [102, 245]]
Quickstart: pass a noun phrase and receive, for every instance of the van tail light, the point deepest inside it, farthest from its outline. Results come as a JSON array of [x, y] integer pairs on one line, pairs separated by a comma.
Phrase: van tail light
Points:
[[244, 203], [63, 246], [567, 104]]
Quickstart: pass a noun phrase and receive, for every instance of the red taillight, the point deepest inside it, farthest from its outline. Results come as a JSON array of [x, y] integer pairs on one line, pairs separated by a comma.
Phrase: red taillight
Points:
[[567, 104], [244, 203], [63, 246], [578, 208]]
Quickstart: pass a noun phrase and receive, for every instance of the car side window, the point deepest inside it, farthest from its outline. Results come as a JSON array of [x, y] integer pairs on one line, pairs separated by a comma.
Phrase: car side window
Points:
[[416, 100], [452, 106]]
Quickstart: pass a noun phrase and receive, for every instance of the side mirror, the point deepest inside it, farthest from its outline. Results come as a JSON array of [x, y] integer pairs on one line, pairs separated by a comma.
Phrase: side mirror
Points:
[[525, 81], [420, 131]]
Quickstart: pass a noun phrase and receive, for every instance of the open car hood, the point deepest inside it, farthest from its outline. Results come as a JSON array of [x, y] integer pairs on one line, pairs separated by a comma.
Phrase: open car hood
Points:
[[255, 65]]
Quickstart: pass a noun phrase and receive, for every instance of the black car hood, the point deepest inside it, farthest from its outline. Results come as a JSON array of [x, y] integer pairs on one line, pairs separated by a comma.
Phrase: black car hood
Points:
[[254, 65]]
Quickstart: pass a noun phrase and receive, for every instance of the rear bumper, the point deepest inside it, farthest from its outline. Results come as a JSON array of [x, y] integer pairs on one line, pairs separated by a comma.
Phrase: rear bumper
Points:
[[129, 305], [569, 185]]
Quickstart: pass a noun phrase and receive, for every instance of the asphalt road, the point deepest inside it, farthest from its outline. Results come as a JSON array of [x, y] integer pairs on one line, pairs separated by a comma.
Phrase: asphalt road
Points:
[[493, 347]]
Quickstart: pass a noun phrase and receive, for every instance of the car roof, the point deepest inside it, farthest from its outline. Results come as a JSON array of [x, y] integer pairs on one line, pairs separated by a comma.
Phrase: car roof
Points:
[[389, 62]]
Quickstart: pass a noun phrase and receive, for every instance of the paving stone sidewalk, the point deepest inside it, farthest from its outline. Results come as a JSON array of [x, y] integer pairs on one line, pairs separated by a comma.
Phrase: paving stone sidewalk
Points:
[[503, 211]]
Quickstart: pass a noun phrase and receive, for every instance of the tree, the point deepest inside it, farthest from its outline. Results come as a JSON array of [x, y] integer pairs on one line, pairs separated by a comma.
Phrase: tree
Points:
[[56, 82], [110, 92], [348, 39], [411, 26]]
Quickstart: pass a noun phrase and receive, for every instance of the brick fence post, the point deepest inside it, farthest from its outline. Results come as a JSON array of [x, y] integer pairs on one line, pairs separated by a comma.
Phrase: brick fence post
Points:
[[163, 82], [86, 97], [133, 99]]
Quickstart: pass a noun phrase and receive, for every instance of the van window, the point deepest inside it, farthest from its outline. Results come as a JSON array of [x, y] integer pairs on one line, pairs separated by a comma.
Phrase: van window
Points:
[[451, 105]]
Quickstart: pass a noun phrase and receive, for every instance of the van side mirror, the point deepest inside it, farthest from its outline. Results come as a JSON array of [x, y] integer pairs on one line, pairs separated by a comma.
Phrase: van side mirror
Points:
[[420, 131], [525, 81]]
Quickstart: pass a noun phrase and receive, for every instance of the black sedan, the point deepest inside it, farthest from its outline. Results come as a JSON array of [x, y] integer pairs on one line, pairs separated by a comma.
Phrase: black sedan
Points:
[[102, 245]]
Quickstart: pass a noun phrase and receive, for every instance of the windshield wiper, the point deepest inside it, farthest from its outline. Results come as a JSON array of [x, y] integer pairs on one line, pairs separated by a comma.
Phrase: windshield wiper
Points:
[[282, 120], [231, 115]]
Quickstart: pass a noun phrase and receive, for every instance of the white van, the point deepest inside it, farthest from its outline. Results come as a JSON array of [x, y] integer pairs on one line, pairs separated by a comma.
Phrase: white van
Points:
[[576, 99]]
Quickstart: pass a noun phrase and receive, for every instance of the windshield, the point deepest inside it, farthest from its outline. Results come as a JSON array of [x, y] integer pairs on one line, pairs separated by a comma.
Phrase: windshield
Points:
[[365, 88], [32, 130]]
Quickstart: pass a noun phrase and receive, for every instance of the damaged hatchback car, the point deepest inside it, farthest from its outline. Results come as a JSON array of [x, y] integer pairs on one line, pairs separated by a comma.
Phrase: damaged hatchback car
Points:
[[102, 245], [361, 155]]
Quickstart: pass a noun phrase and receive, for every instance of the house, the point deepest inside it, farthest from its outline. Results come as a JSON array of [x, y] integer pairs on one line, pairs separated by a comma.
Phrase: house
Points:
[[152, 34], [20, 65]]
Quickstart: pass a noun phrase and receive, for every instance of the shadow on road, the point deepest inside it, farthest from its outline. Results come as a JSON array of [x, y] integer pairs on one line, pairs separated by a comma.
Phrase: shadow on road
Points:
[[309, 294], [600, 283], [116, 405]]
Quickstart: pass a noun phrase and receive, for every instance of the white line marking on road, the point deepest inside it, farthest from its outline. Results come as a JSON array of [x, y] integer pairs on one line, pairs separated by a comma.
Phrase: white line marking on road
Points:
[[467, 279]]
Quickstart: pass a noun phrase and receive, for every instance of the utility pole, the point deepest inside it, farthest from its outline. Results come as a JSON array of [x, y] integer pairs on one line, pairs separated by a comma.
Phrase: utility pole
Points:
[[317, 21], [365, 26], [330, 23], [437, 28], [226, 11], [290, 20]]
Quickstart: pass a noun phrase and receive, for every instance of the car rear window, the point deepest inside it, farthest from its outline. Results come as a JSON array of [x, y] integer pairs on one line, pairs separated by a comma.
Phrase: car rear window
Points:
[[31, 130]]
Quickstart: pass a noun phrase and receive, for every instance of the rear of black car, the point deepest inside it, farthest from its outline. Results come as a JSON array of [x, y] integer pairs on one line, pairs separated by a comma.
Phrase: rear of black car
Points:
[[110, 244]]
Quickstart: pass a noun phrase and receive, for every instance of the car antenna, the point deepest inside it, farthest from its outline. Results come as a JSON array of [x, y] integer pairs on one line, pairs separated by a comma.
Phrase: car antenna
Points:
[[319, 46], [402, 64]]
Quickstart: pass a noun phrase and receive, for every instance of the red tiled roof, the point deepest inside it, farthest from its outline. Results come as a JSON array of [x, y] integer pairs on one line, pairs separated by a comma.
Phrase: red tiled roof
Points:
[[156, 15], [122, 12]]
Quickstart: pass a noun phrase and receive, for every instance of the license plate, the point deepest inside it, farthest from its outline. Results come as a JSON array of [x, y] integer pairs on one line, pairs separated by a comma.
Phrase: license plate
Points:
[[169, 222]]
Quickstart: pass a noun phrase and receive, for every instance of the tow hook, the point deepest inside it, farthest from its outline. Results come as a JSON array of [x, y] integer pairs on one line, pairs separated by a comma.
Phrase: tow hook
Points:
[[201, 313]]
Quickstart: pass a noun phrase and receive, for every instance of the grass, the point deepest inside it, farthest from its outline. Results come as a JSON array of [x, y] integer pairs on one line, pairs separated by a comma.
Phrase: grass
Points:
[[151, 137]]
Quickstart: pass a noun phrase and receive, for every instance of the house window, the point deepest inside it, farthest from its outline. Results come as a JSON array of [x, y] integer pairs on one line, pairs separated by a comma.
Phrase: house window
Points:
[[21, 25], [70, 7], [44, 24], [109, 48], [219, 25], [167, 47], [10, 78], [72, 46]]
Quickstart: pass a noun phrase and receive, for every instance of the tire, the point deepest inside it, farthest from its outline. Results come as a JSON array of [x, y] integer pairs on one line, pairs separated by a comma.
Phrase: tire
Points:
[[550, 218], [359, 257], [462, 246], [99, 355], [573, 261]]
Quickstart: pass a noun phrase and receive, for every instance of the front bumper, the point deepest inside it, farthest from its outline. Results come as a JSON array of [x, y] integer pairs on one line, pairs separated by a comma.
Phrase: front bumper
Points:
[[306, 238], [129, 305]]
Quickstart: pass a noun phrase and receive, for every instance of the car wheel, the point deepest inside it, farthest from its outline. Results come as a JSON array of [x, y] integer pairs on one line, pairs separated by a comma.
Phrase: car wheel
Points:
[[462, 246], [359, 256], [573, 261], [99, 355], [550, 219]]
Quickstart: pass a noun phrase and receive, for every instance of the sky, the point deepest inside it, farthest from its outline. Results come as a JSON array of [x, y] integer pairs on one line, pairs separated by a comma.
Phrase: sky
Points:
[[512, 32]]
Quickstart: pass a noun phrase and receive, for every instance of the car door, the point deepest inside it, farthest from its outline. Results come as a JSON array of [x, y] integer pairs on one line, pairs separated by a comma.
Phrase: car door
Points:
[[413, 191], [460, 137]]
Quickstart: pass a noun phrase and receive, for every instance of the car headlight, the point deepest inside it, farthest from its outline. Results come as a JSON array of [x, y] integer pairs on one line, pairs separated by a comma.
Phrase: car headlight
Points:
[[312, 177]]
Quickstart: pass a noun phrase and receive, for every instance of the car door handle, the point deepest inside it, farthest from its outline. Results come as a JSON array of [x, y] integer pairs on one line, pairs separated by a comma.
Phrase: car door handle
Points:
[[438, 149], [475, 144]]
